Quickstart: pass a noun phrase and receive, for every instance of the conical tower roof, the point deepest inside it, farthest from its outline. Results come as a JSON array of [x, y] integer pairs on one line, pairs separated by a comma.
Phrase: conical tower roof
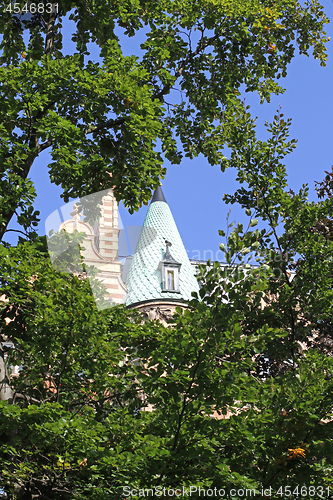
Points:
[[144, 280]]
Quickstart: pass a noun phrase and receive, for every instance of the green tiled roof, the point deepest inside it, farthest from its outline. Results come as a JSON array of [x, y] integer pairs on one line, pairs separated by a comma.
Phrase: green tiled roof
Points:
[[144, 280]]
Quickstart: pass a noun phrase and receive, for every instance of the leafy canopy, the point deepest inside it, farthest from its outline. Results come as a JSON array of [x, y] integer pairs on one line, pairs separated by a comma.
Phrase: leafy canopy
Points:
[[254, 348], [101, 113], [236, 392]]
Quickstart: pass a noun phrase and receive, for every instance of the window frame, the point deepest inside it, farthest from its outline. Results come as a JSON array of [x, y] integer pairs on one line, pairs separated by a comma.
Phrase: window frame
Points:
[[174, 268]]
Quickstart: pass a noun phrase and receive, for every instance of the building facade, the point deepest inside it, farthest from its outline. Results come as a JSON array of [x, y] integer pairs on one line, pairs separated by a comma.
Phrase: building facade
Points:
[[158, 277]]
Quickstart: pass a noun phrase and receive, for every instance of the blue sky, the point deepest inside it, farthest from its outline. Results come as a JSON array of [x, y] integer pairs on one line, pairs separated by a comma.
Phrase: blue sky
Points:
[[194, 189]]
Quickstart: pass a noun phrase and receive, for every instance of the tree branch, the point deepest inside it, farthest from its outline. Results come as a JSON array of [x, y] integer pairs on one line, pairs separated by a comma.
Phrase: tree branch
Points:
[[196, 367], [44, 146], [201, 47], [17, 231], [6, 391], [49, 31]]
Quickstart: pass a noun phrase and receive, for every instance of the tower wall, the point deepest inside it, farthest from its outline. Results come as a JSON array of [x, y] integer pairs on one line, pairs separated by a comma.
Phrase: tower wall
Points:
[[101, 246]]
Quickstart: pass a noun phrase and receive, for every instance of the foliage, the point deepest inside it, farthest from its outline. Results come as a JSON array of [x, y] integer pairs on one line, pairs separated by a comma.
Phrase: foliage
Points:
[[236, 392], [66, 392], [101, 113]]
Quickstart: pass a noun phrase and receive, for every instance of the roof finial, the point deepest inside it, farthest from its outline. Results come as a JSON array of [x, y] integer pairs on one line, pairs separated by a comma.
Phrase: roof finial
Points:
[[158, 195], [168, 257]]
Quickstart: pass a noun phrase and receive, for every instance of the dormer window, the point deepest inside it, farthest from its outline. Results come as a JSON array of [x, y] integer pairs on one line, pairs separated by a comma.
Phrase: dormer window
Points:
[[170, 271]]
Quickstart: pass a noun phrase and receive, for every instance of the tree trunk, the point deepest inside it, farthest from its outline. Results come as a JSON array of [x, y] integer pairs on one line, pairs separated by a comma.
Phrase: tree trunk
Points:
[[6, 392]]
